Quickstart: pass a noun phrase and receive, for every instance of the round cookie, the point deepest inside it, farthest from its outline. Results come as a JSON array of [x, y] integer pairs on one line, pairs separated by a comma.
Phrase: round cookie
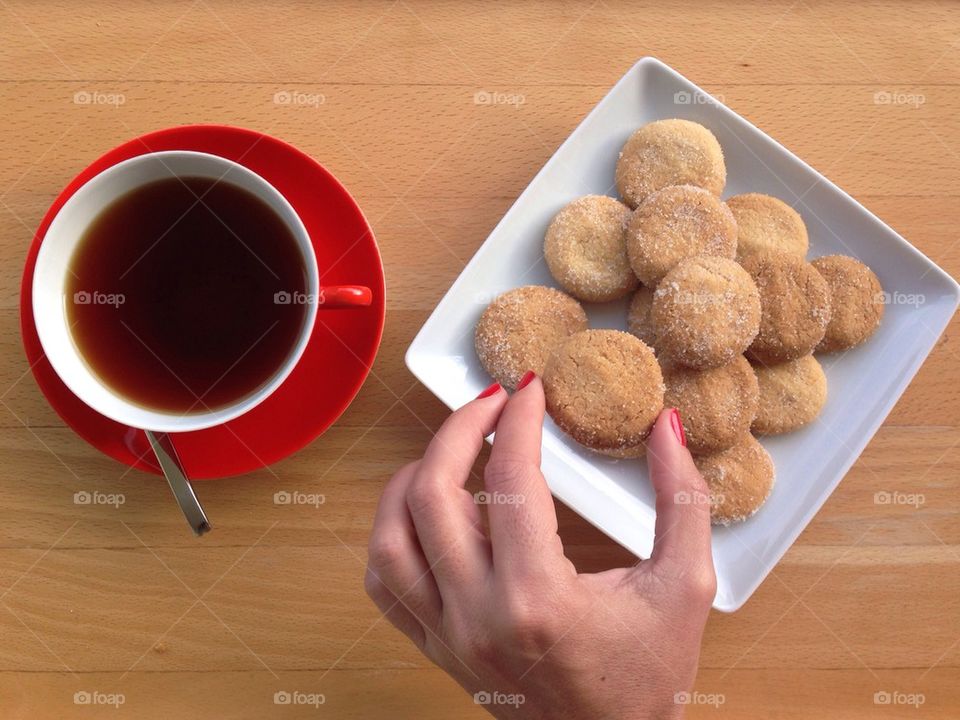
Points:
[[716, 405], [791, 395], [639, 322], [520, 328], [586, 249], [740, 479], [856, 302], [604, 388], [705, 312], [669, 152], [674, 223], [767, 224], [796, 307]]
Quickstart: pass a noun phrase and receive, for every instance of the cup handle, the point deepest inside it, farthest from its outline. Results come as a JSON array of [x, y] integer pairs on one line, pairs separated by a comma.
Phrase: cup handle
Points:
[[345, 296]]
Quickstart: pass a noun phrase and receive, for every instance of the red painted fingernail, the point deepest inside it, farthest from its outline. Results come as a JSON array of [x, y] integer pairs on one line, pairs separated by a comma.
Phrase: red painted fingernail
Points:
[[525, 380], [492, 390], [677, 424]]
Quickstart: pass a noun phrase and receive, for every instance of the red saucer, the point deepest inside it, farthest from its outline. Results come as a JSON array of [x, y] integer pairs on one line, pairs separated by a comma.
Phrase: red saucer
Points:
[[335, 362]]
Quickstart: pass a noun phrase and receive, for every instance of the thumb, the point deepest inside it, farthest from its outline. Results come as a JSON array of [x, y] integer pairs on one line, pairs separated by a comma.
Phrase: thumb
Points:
[[681, 546]]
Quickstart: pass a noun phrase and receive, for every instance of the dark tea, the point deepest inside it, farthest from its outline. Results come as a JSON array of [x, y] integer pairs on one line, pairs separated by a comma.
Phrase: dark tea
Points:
[[187, 294]]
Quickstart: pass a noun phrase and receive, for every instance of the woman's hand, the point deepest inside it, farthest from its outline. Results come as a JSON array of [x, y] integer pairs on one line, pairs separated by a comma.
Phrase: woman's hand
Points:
[[505, 613]]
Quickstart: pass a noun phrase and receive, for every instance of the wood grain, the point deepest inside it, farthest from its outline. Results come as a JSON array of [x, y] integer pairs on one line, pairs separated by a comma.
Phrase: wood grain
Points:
[[105, 599]]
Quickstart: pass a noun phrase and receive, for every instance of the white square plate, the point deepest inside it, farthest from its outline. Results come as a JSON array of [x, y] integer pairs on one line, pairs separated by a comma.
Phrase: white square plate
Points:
[[864, 383]]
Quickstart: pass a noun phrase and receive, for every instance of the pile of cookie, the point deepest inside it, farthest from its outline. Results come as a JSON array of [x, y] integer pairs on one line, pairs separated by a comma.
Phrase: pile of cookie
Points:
[[725, 316]]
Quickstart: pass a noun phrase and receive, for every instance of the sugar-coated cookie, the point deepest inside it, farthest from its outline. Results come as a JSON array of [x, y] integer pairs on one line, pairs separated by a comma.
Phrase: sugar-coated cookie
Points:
[[705, 312], [604, 388], [767, 224], [639, 322], [740, 479], [521, 327], [675, 223], [792, 394], [716, 405], [586, 249], [669, 152], [856, 302], [795, 303]]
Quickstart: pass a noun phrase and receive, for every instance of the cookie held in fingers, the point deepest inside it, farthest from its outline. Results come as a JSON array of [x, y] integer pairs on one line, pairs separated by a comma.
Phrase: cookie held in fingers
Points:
[[675, 223], [586, 251], [792, 394], [604, 388], [856, 302], [740, 479], [717, 405], [705, 312], [795, 302], [767, 224], [669, 152], [520, 328]]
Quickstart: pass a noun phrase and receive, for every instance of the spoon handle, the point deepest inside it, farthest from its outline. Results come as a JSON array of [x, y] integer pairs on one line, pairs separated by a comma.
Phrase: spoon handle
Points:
[[177, 478]]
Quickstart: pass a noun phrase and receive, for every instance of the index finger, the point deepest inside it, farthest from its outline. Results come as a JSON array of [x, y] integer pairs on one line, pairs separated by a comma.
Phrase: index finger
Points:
[[445, 514]]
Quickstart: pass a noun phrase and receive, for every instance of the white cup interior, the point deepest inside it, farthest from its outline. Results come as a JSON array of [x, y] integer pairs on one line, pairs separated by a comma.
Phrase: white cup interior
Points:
[[53, 267]]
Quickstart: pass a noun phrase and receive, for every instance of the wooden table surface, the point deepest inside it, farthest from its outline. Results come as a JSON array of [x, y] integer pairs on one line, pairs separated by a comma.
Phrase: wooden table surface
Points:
[[124, 602]]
